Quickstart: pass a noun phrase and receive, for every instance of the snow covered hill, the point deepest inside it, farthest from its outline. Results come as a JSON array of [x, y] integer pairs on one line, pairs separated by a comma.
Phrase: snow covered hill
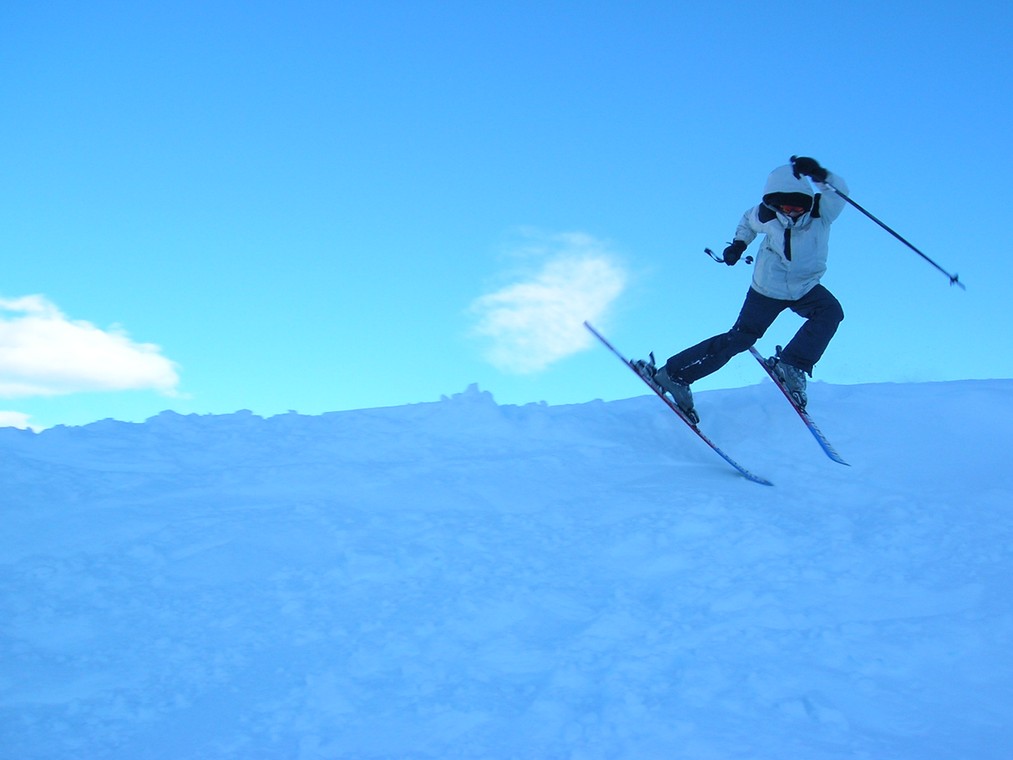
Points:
[[467, 580]]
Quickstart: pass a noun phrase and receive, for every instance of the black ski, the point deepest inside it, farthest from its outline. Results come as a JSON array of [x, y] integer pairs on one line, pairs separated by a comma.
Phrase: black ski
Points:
[[678, 412]]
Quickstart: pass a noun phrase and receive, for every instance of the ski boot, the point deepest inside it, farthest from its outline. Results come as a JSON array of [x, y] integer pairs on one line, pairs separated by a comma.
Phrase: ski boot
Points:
[[678, 390], [792, 377]]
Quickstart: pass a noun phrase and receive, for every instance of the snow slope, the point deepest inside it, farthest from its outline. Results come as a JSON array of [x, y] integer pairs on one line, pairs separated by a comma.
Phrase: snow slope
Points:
[[467, 580]]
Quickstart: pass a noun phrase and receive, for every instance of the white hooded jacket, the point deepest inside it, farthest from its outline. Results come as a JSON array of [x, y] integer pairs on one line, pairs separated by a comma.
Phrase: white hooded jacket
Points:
[[793, 255]]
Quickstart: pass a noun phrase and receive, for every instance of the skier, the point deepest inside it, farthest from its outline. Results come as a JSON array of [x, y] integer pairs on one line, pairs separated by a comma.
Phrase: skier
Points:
[[791, 260]]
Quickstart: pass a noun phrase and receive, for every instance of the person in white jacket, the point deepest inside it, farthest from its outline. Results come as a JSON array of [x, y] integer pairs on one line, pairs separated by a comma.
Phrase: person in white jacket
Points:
[[792, 258]]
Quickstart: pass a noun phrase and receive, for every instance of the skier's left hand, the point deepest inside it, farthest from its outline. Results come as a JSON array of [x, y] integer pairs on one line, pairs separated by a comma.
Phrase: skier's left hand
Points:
[[810, 167]]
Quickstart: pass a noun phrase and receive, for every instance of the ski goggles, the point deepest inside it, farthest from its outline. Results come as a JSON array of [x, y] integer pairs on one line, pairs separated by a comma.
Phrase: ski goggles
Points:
[[792, 210]]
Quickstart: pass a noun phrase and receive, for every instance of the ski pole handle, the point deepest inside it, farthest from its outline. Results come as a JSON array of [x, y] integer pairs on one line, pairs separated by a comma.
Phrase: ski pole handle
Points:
[[721, 259]]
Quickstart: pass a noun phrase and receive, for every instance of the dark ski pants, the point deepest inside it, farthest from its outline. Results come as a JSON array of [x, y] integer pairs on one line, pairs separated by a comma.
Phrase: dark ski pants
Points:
[[821, 311]]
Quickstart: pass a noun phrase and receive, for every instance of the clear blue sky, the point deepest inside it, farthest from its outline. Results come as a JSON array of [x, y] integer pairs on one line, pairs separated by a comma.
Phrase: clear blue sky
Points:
[[315, 206]]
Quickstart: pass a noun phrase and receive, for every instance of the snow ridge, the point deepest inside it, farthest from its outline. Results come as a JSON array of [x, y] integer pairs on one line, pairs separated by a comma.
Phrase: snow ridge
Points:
[[461, 579]]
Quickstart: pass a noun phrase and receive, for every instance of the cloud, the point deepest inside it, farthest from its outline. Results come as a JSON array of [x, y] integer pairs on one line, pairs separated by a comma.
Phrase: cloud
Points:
[[18, 420], [43, 353], [14, 420], [538, 320]]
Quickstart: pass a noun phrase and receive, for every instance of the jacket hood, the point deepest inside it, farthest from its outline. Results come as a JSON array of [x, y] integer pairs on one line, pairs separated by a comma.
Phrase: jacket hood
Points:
[[783, 187]]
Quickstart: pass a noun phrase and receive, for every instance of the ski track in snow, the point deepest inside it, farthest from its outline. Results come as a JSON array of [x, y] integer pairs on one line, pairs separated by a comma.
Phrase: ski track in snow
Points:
[[467, 580]]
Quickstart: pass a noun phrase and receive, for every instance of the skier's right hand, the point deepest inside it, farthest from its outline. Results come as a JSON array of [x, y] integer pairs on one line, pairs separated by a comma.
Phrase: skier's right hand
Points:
[[733, 252]]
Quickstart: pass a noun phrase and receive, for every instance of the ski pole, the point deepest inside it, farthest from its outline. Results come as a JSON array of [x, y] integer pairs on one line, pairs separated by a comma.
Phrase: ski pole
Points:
[[721, 259], [953, 277]]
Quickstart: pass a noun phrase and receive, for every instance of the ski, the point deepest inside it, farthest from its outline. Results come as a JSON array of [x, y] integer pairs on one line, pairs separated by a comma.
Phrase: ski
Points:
[[678, 412], [809, 423]]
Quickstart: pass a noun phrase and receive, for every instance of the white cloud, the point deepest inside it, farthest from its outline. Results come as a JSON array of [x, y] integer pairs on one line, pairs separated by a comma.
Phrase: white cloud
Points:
[[15, 420], [537, 321], [43, 353]]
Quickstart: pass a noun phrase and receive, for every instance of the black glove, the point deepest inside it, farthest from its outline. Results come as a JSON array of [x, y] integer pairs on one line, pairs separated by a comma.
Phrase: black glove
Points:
[[733, 252], [810, 167]]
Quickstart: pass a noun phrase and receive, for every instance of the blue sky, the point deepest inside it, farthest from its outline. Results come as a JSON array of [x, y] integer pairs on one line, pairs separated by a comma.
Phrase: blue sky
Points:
[[310, 206]]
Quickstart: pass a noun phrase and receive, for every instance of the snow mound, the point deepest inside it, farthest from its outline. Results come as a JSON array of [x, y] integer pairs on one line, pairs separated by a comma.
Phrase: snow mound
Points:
[[467, 580]]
